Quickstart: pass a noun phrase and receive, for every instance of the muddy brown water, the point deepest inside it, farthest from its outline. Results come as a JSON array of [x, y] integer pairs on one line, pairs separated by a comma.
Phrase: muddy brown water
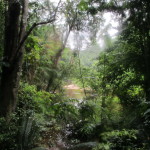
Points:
[[74, 91]]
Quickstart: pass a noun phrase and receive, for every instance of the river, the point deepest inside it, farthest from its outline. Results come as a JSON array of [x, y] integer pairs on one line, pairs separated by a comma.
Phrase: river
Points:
[[74, 91]]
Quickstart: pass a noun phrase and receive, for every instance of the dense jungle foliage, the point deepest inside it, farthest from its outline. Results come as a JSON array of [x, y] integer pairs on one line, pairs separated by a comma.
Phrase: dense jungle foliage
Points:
[[68, 82]]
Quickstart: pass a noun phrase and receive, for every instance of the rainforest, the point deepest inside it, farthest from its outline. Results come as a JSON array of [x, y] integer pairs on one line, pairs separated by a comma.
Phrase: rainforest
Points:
[[74, 75]]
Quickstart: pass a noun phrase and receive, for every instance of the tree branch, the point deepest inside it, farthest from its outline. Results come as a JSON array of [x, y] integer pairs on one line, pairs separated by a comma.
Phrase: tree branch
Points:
[[34, 26], [30, 30]]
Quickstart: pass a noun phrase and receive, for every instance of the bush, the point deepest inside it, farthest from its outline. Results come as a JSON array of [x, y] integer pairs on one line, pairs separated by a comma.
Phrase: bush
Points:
[[116, 140], [26, 126], [8, 134]]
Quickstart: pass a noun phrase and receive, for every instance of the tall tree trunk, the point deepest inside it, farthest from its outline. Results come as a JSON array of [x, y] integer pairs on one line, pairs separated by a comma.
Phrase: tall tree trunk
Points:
[[15, 37], [12, 56]]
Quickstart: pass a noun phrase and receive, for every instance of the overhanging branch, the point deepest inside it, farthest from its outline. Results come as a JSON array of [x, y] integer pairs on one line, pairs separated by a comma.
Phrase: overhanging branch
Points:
[[30, 30], [34, 26]]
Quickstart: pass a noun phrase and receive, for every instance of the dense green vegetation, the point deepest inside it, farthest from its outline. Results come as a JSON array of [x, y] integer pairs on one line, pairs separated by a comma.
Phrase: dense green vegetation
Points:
[[38, 66]]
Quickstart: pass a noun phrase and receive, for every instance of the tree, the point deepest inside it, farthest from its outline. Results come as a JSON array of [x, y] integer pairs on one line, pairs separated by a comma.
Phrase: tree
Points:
[[73, 22], [137, 19], [15, 37], [139, 15], [1, 27]]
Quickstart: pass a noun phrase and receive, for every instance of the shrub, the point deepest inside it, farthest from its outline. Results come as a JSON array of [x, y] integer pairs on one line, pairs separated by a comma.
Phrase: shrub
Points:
[[116, 140]]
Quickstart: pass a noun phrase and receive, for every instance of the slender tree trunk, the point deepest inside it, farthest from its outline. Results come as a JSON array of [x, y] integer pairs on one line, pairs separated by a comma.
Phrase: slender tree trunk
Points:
[[56, 60], [147, 67]]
